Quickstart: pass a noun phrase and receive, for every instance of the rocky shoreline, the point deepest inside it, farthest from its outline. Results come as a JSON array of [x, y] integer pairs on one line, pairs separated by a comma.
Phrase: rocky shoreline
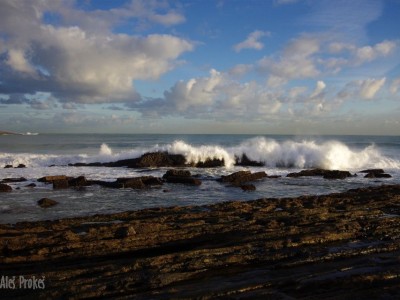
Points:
[[337, 246]]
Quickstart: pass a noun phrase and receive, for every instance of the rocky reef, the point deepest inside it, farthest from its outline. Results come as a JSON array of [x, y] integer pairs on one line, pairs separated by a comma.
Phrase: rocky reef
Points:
[[337, 246]]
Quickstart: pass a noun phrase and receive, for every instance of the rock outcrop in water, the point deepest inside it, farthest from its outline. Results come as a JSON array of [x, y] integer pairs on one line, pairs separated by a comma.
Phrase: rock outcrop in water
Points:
[[338, 246], [327, 174], [4, 188]]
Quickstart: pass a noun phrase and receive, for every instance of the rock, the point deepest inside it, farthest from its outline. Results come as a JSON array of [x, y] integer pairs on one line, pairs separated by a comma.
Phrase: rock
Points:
[[374, 171], [248, 187], [336, 246], [78, 182], [31, 185], [327, 174], [21, 166], [378, 175], [245, 161], [160, 159], [124, 232], [210, 163], [336, 174], [50, 179], [9, 180], [60, 184], [181, 176], [46, 202], [240, 177], [133, 183], [8, 167], [311, 172], [150, 180], [4, 188]]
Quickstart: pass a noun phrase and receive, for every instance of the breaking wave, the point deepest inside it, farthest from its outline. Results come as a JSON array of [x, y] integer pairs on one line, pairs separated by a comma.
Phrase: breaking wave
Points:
[[276, 154]]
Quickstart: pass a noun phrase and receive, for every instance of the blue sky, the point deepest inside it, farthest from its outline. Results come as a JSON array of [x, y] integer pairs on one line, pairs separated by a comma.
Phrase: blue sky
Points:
[[237, 66]]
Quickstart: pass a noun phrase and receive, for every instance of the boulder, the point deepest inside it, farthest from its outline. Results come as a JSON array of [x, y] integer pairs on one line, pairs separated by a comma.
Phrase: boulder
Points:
[[133, 183], [5, 188], [78, 182], [46, 202], [9, 180], [21, 166], [327, 174], [245, 161], [60, 184], [374, 171], [31, 185], [181, 176], [240, 177], [160, 159], [8, 167], [210, 163], [336, 174], [377, 175], [50, 179]]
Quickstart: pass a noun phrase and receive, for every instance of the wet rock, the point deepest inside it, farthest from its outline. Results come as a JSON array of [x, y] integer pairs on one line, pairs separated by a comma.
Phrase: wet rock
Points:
[[374, 171], [377, 175], [337, 246], [50, 179], [327, 174], [4, 188], [245, 161], [210, 163], [133, 183], [79, 181], [181, 176], [336, 174], [46, 202], [21, 166], [31, 185], [10, 180], [240, 177], [8, 167], [60, 184]]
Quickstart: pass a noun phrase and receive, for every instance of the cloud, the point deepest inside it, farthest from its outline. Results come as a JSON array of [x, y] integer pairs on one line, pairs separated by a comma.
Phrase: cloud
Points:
[[296, 62], [365, 89], [252, 41], [395, 86], [81, 63]]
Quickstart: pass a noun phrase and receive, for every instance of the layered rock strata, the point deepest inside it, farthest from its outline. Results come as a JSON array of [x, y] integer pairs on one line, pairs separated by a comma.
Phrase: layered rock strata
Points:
[[337, 246]]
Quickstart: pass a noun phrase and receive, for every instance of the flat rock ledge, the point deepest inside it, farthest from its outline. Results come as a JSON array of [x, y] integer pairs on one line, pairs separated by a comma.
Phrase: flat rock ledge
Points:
[[337, 246]]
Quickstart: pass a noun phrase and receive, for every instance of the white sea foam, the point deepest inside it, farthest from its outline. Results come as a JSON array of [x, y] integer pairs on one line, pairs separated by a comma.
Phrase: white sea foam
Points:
[[275, 154]]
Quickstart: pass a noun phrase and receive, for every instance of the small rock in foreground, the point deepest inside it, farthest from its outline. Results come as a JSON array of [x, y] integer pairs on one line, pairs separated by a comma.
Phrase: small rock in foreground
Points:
[[46, 202], [4, 188]]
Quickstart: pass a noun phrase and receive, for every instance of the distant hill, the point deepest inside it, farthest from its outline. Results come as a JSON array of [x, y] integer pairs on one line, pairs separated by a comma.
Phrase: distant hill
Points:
[[8, 132]]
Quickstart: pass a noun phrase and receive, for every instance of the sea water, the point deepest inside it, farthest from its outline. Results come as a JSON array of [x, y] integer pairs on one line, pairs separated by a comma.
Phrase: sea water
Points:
[[50, 154]]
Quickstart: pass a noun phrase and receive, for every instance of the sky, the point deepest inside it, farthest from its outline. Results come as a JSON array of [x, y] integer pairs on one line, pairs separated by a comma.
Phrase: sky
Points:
[[200, 66]]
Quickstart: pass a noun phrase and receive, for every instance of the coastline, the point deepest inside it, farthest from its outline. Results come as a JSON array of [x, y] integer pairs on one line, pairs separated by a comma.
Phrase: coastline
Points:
[[340, 245]]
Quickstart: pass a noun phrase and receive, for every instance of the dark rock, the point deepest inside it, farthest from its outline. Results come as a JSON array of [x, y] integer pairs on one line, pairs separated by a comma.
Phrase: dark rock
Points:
[[274, 176], [8, 167], [9, 180], [311, 172], [240, 177], [160, 159], [133, 183], [245, 161], [248, 187], [374, 171], [181, 176], [5, 188], [50, 179], [378, 175], [210, 163], [327, 174], [21, 166], [31, 185], [108, 184], [60, 184], [336, 174], [46, 202], [150, 180], [78, 182]]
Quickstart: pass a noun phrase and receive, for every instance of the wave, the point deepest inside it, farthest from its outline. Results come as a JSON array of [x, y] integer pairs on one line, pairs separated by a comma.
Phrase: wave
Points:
[[275, 154]]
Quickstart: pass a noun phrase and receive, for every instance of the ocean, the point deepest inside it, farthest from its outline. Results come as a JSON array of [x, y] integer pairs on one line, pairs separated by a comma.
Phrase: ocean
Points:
[[50, 154]]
